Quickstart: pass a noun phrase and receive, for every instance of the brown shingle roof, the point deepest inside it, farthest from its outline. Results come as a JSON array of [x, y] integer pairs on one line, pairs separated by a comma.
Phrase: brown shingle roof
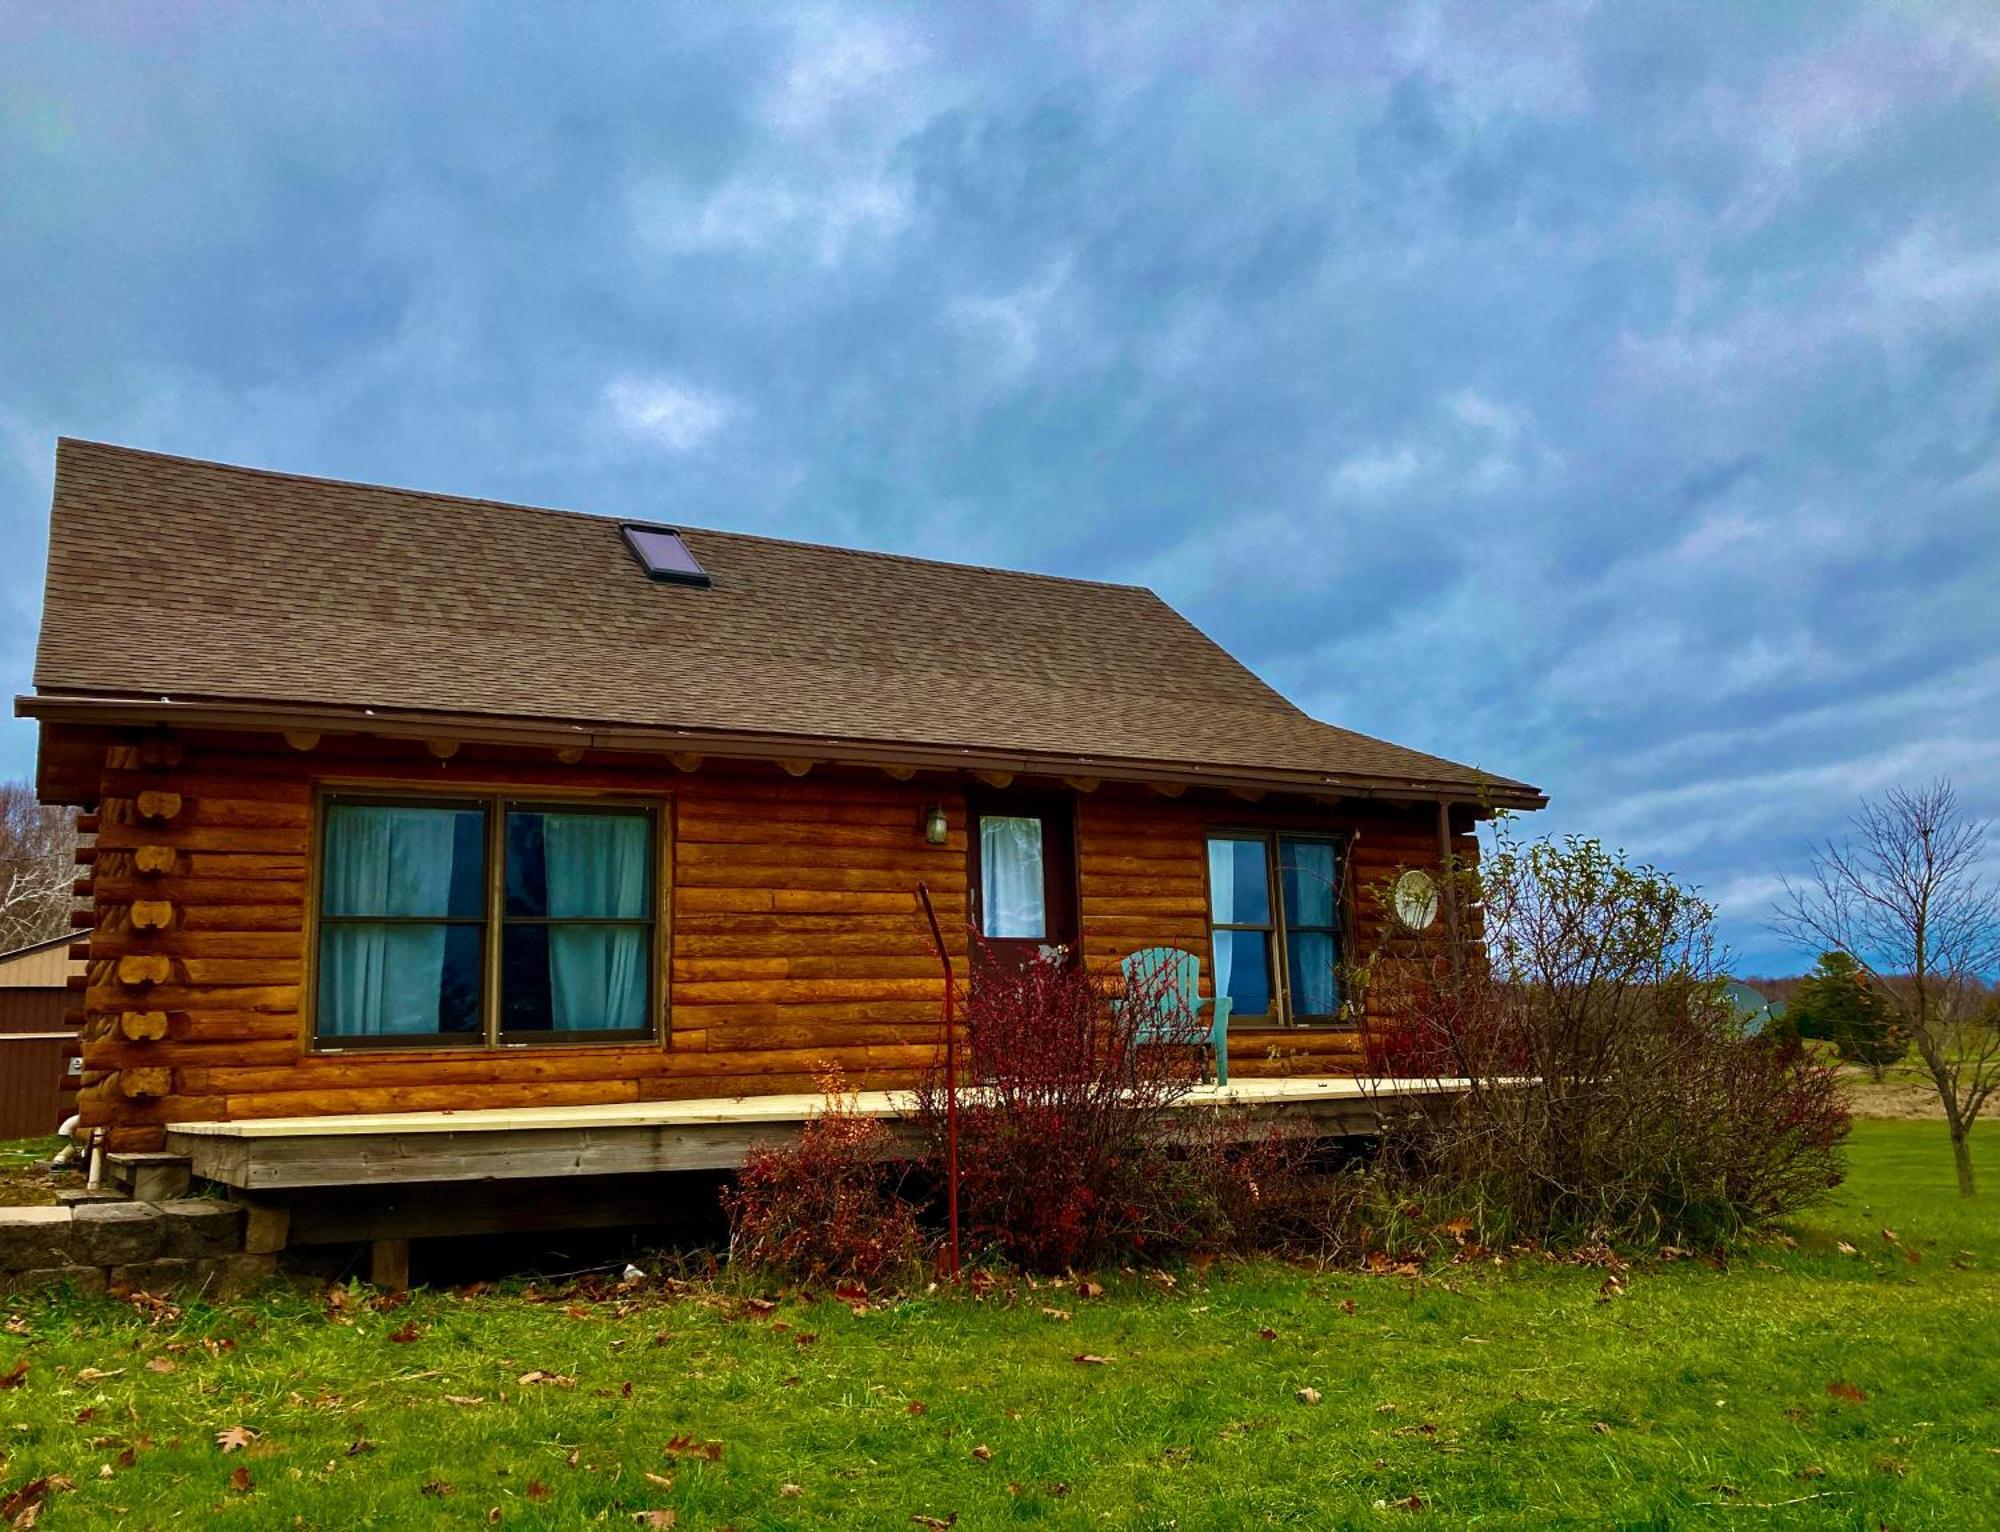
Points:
[[196, 580]]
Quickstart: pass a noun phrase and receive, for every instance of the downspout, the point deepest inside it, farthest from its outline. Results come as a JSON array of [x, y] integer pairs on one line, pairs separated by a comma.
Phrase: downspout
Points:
[[950, 1086]]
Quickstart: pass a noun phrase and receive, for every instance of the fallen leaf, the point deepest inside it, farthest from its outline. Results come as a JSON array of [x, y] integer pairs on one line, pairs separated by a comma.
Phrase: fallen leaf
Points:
[[789, 1491], [537, 1490], [235, 1438], [1086, 1359], [663, 1518], [1347, 1305], [1846, 1391], [493, 1516], [467, 1400], [936, 1523], [1810, 1471], [1600, 1428], [555, 1379], [162, 1364], [15, 1375], [983, 1452], [1407, 1503], [1267, 1334], [437, 1489], [916, 1407], [688, 1447], [1089, 1290], [404, 1335], [1060, 1316], [241, 1482], [1308, 1396], [1844, 1248], [664, 1480]]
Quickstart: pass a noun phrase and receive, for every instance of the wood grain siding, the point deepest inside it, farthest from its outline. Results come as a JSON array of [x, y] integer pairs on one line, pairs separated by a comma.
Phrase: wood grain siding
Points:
[[1144, 872], [794, 936]]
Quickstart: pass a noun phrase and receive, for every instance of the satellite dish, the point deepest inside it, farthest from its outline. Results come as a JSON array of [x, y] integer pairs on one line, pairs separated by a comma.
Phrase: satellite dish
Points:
[[1415, 899]]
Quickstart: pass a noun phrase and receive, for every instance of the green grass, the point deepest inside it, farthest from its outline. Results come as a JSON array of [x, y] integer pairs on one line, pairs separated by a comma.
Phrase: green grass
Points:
[[1503, 1397]]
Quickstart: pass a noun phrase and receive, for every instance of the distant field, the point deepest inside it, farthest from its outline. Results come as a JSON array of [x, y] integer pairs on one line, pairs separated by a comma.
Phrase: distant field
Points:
[[1799, 1386]]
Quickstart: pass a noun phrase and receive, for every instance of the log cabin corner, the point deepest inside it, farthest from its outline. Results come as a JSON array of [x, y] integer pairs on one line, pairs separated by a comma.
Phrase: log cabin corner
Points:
[[409, 806]]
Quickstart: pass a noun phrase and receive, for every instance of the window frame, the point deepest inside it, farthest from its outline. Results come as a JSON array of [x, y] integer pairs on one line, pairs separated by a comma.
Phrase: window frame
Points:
[[1278, 947], [495, 802]]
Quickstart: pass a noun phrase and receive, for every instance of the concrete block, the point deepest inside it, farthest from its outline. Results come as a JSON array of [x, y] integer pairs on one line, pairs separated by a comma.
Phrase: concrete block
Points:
[[34, 1237], [116, 1233], [199, 1226], [85, 1279]]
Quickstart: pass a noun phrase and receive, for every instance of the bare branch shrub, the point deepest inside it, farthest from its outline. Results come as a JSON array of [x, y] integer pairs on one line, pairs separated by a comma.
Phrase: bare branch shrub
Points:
[[1911, 897], [1606, 1091], [37, 867]]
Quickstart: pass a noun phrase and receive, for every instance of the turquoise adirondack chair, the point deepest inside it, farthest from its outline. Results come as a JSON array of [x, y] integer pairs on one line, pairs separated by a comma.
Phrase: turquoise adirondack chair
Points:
[[1179, 973]]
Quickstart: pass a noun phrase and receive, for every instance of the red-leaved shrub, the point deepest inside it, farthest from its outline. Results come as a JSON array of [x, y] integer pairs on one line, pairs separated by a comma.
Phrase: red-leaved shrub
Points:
[[826, 1207], [1070, 1148]]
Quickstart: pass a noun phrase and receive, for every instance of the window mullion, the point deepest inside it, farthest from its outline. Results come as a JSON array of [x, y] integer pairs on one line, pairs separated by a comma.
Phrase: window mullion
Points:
[[496, 888]]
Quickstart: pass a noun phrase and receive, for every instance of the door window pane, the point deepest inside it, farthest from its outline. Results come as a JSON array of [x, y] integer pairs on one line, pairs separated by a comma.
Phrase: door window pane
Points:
[[1238, 886], [1243, 971], [1011, 888]]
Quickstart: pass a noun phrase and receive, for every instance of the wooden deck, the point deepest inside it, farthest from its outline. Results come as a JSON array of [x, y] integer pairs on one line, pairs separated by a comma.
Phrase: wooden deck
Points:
[[485, 1145]]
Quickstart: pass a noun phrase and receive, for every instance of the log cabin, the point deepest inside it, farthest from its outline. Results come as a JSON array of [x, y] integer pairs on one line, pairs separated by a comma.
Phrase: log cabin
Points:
[[407, 803]]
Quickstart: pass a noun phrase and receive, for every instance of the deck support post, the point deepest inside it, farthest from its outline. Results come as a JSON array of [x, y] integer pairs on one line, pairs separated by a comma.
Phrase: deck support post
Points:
[[389, 1264]]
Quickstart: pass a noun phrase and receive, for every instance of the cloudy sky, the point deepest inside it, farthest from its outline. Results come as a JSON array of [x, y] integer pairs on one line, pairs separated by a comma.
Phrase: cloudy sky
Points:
[[1605, 394]]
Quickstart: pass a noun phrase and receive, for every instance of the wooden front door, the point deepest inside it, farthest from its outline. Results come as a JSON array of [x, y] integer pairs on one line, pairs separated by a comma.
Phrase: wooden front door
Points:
[[1022, 848]]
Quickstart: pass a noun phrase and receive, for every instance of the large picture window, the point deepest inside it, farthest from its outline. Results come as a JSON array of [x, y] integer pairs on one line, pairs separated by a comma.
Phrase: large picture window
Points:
[[1274, 918], [484, 920]]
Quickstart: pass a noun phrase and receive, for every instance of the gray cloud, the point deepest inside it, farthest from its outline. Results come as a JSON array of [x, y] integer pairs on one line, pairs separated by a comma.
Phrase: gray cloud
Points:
[[1602, 397]]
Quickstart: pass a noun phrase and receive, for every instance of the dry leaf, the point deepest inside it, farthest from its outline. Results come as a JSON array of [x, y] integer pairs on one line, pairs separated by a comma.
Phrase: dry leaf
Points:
[[555, 1379], [1087, 1360], [15, 1375], [493, 1516], [664, 1480], [1267, 1334], [1347, 1305], [162, 1364], [241, 1482], [467, 1400], [437, 1489], [1059, 1315], [688, 1447], [235, 1438], [1308, 1396], [663, 1518], [537, 1490], [789, 1491], [983, 1452], [936, 1523], [1844, 1248], [406, 1334], [916, 1407], [1089, 1290], [1846, 1391], [1600, 1428]]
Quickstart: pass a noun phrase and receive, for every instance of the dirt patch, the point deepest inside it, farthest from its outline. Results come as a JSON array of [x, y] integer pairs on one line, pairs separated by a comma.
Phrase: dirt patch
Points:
[[1899, 1100], [24, 1179]]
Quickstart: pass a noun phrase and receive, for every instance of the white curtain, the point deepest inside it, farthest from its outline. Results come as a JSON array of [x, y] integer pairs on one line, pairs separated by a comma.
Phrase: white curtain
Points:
[[1010, 877], [384, 980], [1222, 904], [596, 866]]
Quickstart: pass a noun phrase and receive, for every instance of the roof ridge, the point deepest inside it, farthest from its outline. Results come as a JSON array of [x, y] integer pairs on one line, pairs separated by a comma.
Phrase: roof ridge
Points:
[[287, 476]]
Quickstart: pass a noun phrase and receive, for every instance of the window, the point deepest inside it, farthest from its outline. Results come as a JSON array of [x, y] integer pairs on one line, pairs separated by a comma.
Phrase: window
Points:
[[484, 921], [664, 554], [1013, 902], [1275, 914]]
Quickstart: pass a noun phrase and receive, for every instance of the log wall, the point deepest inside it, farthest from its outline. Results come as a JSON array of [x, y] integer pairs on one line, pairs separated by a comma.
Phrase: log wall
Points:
[[796, 938]]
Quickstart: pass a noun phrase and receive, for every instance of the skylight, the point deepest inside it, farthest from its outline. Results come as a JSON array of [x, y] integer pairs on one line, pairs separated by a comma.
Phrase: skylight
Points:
[[664, 554]]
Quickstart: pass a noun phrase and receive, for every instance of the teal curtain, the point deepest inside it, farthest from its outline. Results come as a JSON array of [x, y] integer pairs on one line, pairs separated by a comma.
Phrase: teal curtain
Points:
[[378, 978], [598, 868]]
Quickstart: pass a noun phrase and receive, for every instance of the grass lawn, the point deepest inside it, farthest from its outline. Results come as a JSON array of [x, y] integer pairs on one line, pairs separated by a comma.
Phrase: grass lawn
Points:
[[1841, 1389]]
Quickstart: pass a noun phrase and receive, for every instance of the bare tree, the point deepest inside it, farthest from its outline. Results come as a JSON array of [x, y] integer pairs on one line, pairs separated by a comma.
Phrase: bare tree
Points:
[[1908, 896], [37, 867]]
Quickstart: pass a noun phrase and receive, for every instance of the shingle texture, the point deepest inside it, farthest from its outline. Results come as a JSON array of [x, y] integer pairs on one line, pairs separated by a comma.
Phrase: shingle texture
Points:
[[203, 581]]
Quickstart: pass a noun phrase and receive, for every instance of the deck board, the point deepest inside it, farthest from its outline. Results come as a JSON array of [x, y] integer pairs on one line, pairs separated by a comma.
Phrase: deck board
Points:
[[491, 1144]]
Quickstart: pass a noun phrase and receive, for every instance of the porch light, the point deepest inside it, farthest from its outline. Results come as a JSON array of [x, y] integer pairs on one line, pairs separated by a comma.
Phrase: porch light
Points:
[[936, 826]]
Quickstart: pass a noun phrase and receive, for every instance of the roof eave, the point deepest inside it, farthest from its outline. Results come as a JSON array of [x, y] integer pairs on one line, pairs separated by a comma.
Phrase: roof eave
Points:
[[468, 728]]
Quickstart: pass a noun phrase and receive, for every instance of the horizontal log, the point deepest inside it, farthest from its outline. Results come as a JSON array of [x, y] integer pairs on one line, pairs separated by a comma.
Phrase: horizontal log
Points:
[[204, 944], [914, 941], [823, 1013], [428, 1098], [804, 876], [799, 991], [189, 997], [269, 839], [217, 786], [853, 966]]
